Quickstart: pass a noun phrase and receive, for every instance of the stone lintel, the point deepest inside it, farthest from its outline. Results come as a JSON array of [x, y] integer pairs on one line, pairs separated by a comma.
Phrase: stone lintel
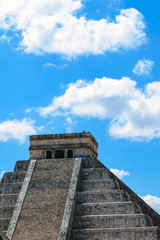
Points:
[[64, 136], [61, 146]]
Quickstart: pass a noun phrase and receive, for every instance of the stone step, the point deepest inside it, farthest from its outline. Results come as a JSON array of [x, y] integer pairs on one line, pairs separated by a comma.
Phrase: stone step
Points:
[[6, 212], [106, 208], [96, 184], [93, 173], [102, 196], [10, 177], [21, 166], [10, 188], [111, 221], [91, 163], [8, 199], [132, 233], [4, 224]]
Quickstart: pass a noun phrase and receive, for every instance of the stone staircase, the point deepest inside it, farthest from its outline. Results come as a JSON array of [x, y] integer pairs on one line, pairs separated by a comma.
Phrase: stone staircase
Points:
[[9, 191], [105, 211]]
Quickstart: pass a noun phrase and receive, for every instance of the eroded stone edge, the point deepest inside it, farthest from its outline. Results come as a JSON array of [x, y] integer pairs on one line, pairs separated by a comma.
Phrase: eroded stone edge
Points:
[[70, 202], [3, 236], [20, 200]]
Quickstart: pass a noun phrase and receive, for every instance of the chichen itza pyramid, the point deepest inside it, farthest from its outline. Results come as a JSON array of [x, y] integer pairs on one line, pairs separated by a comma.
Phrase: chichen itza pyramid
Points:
[[63, 192]]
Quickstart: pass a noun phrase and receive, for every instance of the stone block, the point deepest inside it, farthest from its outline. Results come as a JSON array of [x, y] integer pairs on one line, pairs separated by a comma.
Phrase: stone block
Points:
[[21, 166], [10, 177], [91, 163], [111, 221], [10, 188], [4, 224], [93, 173], [96, 184], [106, 208], [102, 196], [6, 212], [139, 233], [8, 199]]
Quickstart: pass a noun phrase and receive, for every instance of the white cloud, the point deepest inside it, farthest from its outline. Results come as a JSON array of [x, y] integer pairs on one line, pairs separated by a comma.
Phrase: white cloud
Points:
[[1, 174], [16, 129], [5, 38], [69, 124], [49, 123], [119, 173], [133, 113], [153, 201], [114, 4], [69, 120], [143, 66], [69, 129], [53, 27], [28, 110], [47, 65]]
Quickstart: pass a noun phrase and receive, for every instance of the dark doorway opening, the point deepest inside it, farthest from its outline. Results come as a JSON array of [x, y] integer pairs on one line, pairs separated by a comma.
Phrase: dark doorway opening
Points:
[[48, 154], [59, 154], [70, 154]]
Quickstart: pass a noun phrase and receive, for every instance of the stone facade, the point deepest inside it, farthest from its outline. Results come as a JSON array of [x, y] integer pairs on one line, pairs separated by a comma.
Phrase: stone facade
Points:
[[67, 145]]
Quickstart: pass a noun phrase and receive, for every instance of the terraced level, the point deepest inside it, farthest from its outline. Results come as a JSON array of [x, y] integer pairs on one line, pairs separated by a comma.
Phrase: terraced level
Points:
[[104, 210], [10, 187]]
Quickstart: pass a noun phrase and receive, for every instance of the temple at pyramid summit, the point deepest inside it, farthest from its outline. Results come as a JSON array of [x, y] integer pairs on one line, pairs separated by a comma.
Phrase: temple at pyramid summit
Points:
[[63, 192]]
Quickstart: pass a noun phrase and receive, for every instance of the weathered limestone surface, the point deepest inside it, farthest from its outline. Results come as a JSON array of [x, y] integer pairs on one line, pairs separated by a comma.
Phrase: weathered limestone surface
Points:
[[66, 224], [3, 236], [82, 144], [139, 233], [43, 208], [20, 200], [107, 209], [9, 190]]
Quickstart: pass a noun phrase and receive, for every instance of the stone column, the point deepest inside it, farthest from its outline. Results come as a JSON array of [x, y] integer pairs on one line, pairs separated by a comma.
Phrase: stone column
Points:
[[53, 155], [65, 153]]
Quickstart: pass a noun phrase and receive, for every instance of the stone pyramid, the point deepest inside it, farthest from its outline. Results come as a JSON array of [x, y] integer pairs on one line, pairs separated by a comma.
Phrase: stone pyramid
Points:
[[63, 192]]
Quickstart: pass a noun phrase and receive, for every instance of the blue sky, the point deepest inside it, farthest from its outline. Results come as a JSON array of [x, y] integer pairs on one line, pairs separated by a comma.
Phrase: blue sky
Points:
[[69, 66]]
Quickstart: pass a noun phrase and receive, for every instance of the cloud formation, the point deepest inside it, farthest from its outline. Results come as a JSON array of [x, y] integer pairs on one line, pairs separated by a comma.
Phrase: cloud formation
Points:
[[48, 64], [16, 129], [119, 173], [143, 66], [153, 201], [54, 27], [133, 113]]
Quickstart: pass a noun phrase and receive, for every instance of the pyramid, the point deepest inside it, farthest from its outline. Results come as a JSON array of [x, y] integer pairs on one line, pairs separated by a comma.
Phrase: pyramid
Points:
[[63, 192]]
